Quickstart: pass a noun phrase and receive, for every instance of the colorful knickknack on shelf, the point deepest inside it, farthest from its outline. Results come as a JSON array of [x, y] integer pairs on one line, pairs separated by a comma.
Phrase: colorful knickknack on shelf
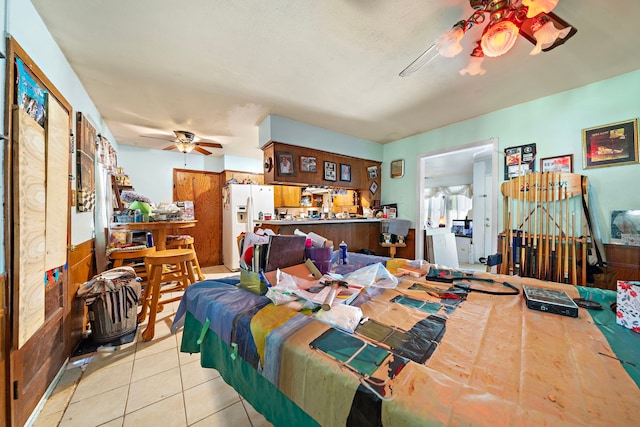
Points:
[[145, 209]]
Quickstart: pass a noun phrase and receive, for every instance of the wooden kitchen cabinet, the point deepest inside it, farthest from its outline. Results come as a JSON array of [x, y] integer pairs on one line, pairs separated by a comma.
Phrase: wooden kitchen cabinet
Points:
[[286, 196]]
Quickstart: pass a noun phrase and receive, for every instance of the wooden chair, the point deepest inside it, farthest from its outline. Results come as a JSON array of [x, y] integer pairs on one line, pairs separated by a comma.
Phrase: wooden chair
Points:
[[181, 277], [186, 242], [134, 258]]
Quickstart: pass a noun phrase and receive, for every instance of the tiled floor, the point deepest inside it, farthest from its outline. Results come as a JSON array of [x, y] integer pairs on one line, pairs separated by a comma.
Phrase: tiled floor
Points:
[[146, 384]]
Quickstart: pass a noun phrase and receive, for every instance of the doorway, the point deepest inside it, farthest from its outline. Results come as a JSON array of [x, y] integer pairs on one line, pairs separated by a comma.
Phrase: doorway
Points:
[[463, 198], [205, 190]]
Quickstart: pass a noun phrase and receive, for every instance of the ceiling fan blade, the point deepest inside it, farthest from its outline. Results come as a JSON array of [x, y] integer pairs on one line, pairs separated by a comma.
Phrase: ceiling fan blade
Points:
[[422, 60], [202, 151], [171, 147], [210, 144], [159, 136]]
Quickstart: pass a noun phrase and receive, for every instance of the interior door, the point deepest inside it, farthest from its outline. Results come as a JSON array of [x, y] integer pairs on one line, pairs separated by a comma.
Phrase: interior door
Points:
[[205, 190], [37, 227]]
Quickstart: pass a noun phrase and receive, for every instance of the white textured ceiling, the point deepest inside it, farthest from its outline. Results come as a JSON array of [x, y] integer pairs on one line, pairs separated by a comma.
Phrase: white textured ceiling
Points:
[[219, 67]]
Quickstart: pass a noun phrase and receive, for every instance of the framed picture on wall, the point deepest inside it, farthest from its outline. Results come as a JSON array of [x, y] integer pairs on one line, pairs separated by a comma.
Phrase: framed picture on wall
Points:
[[519, 160], [308, 164], [286, 163], [330, 173], [372, 172], [557, 164], [373, 188], [614, 144], [345, 172], [397, 168]]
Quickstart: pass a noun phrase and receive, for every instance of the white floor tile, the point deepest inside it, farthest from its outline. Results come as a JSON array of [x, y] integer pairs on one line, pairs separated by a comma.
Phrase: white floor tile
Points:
[[167, 412], [234, 415], [154, 364], [96, 410], [96, 381], [153, 389], [208, 398]]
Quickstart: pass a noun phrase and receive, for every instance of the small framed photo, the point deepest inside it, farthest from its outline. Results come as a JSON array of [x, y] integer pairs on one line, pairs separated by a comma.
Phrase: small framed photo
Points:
[[373, 187], [397, 168], [372, 172], [308, 164], [330, 171], [557, 164], [345, 172], [286, 163], [614, 144]]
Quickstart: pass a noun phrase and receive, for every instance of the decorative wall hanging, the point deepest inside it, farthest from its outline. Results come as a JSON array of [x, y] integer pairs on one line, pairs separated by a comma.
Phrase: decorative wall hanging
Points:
[[519, 160], [372, 172], [85, 158], [30, 95], [614, 144]]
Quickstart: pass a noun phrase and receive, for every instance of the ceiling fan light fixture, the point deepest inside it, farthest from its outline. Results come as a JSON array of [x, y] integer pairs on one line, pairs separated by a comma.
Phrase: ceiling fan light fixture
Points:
[[507, 19], [546, 33], [536, 7], [185, 147], [448, 44], [474, 66], [499, 38]]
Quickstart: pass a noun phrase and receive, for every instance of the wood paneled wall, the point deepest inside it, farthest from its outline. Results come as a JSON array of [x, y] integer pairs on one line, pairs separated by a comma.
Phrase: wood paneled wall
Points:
[[625, 260], [81, 269]]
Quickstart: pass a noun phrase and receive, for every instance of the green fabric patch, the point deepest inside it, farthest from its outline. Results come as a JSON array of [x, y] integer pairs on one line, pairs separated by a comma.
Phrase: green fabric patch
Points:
[[276, 407], [624, 342], [426, 306], [343, 347]]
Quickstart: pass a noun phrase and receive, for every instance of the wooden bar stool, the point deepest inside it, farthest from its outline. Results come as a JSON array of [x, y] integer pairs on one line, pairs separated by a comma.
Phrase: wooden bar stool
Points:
[[134, 258], [185, 242], [183, 275]]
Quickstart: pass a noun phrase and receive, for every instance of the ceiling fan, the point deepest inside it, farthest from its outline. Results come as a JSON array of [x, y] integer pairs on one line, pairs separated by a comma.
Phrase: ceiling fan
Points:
[[186, 142], [505, 20]]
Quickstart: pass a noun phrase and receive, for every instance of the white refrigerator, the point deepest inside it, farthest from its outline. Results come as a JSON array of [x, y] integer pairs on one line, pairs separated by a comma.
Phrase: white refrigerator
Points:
[[241, 207]]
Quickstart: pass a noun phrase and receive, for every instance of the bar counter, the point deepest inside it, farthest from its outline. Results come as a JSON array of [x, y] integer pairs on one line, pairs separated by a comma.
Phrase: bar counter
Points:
[[357, 233]]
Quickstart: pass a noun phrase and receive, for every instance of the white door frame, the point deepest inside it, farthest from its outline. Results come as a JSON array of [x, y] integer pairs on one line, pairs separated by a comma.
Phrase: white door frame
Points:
[[420, 187]]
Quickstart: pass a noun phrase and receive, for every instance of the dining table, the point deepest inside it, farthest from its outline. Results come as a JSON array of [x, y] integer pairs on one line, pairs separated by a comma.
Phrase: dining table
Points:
[[159, 229]]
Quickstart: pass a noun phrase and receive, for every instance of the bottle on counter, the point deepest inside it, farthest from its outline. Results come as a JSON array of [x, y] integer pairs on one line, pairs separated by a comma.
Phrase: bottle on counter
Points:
[[343, 252]]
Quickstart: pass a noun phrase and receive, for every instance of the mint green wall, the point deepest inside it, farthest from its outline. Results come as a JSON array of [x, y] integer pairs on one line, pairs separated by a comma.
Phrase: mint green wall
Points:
[[554, 123]]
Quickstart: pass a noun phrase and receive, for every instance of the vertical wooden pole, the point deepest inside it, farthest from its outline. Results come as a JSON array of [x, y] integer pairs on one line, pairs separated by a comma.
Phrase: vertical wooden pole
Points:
[[566, 238], [574, 260]]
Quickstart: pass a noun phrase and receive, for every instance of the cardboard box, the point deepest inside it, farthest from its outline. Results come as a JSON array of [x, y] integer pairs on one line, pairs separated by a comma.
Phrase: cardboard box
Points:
[[628, 305]]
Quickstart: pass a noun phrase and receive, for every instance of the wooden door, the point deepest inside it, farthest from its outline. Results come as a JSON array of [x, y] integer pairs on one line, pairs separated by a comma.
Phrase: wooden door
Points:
[[37, 168], [205, 190]]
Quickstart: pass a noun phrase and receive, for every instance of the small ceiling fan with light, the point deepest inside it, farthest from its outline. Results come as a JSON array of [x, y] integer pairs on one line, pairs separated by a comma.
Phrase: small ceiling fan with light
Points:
[[506, 20], [187, 142]]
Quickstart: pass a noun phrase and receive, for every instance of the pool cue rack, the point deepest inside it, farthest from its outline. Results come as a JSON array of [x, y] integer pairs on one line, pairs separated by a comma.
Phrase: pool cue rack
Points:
[[545, 232]]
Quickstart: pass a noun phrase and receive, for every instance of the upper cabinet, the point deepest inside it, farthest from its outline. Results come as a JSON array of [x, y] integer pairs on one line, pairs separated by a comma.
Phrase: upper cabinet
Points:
[[294, 165], [285, 196]]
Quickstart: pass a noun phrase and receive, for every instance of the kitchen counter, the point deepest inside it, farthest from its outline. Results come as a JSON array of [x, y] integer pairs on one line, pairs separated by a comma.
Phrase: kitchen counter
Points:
[[303, 222], [357, 233]]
